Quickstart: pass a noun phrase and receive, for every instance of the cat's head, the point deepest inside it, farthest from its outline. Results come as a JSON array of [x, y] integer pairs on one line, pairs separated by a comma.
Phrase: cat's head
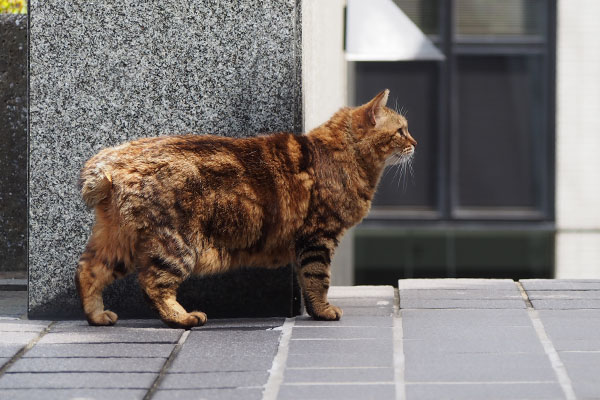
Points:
[[383, 130]]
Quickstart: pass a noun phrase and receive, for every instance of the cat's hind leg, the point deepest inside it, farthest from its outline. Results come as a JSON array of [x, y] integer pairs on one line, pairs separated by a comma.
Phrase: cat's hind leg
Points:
[[93, 274], [167, 262]]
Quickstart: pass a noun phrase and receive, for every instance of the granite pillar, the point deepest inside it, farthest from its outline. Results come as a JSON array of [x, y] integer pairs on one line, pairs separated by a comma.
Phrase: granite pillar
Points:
[[13, 143], [102, 73]]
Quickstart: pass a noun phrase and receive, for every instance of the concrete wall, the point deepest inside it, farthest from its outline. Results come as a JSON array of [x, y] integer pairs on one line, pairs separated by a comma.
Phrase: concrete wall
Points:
[[103, 73], [578, 140], [13, 143], [324, 86]]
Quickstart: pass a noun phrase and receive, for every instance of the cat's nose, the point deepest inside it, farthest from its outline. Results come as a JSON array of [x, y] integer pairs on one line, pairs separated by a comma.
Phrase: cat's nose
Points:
[[411, 140]]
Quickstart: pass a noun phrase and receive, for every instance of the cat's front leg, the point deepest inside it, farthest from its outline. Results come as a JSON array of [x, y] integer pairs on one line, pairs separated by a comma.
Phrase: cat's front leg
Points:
[[313, 269]]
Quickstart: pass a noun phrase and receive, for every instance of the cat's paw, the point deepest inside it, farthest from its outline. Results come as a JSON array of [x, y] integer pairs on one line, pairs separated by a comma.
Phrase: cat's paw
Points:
[[200, 317], [328, 313], [190, 320], [104, 318]]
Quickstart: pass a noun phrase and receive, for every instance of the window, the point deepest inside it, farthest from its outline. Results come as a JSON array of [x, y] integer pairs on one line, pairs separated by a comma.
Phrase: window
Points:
[[483, 118]]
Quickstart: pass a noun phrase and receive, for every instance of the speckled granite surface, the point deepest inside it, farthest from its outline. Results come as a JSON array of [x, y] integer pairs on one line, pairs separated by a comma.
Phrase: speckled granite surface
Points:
[[13, 142], [102, 73]]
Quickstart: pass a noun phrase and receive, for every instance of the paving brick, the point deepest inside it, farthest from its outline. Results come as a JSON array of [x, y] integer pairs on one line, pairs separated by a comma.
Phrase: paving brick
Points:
[[215, 380], [477, 317], [341, 360], [88, 365], [335, 392], [563, 294], [108, 335], [242, 323], [412, 303], [209, 394], [565, 304], [9, 350], [587, 390], [90, 380], [62, 394], [458, 332], [461, 294], [477, 367], [365, 332], [338, 292], [124, 324], [21, 338], [101, 350], [371, 346], [560, 284], [460, 283], [347, 321], [385, 311], [23, 326], [501, 341], [345, 375], [225, 350], [371, 302], [509, 391], [577, 344], [581, 366]]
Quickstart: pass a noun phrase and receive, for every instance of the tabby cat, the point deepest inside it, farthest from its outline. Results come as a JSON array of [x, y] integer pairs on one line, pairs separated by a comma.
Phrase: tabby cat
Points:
[[169, 207]]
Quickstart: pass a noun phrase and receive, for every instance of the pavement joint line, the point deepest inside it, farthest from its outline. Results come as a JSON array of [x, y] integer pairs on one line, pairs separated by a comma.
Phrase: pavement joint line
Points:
[[163, 371], [333, 339], [479, 382], [337, 383], [398, 349], [311, 368], [557, 364], [275, 381], [25, 348]]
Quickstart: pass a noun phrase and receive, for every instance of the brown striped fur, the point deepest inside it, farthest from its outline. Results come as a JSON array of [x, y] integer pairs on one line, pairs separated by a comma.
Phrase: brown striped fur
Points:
[[169, 207]]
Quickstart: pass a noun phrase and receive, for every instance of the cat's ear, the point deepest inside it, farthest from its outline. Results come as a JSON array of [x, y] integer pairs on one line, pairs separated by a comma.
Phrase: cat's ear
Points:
[[375, 106]]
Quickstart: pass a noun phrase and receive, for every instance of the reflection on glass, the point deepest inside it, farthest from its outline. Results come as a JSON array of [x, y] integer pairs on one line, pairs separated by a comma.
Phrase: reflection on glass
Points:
[[499, 17], [424, 13]]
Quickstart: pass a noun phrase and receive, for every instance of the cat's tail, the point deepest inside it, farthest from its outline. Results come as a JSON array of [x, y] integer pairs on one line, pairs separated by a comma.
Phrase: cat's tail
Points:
[[96, 184]]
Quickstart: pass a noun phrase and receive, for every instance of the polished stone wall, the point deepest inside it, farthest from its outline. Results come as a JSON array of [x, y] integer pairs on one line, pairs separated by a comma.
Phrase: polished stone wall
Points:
[[102, 73], [13, 143]]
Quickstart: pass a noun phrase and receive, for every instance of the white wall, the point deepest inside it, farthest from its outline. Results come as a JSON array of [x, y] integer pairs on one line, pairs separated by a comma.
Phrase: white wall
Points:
[[578, 140], [324, 91]]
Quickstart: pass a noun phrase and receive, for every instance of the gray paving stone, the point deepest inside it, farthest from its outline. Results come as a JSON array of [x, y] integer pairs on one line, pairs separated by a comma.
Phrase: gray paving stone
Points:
[[365, 346], [215, 380], [345, 375], [23, 325], [582, 366], [560, 284], [565, 304], [225, 350], [570, 315], [455, 332], [508, 391], [88, 365], [62, 394], [9, 350], [501, 341], [90, 380], [335, 392], [412, 303], [571, 330], [101, 350], [21, 338], [587, 390], [477, 367], [106, 335], [371, 302], [461, 294], [563, 294], [338, 292], [577, 344], [347, 321], [460, 283], [458, 317], [122, 324], [209, 394], [385, 311], [365, 332], [242, 323], [342, 360]]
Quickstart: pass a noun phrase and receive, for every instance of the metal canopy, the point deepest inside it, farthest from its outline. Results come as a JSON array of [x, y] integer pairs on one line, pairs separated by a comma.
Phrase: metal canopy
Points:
[[378, 30]]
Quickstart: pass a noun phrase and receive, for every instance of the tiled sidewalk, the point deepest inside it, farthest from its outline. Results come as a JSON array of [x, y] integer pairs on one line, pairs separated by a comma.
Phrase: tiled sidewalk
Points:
[[450, 339]]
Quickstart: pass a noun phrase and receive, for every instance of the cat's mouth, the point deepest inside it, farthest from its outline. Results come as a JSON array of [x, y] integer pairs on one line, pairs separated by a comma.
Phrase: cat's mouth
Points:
[[401, 157]]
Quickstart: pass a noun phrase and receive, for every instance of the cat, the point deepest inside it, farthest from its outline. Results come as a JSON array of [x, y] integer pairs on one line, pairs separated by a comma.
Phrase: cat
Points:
[[168, 207]]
